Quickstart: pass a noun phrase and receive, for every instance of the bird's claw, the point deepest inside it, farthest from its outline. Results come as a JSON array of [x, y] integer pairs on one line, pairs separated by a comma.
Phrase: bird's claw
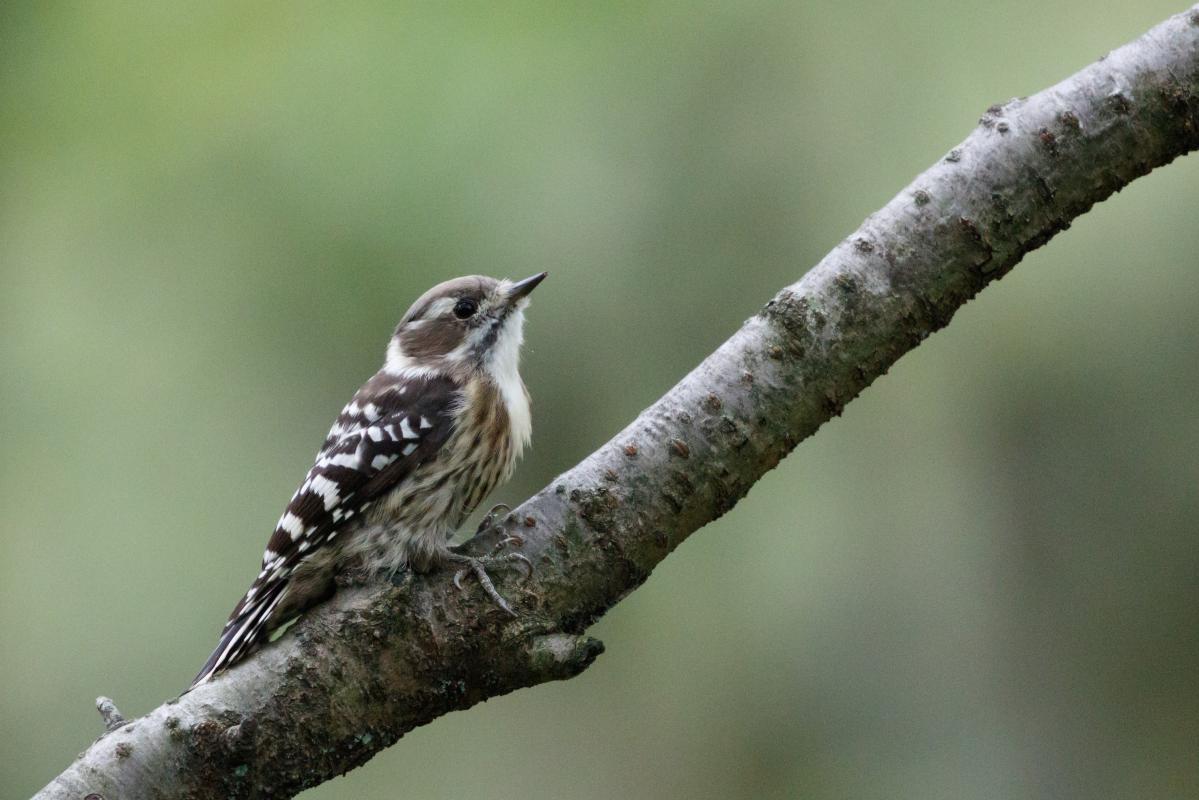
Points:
[[510, 539], [478, 567], [527, 564], [489, 519]]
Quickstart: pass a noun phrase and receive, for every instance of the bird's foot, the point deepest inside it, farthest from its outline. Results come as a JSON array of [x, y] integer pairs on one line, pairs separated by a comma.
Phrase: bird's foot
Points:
[[491, 518], [478, 567]]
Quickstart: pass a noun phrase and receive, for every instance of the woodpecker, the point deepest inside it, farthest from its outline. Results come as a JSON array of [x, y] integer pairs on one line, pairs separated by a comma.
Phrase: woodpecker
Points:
[[410, 456]]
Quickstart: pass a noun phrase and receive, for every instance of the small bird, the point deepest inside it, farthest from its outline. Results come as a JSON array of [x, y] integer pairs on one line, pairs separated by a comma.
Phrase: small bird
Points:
[[413, 453]]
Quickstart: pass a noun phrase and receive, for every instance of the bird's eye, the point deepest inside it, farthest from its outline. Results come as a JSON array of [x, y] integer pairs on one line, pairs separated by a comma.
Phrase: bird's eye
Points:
[[465, 308]]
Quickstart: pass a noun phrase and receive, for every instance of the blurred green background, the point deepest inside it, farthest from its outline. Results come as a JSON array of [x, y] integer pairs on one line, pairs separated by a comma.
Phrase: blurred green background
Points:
[[981, 582]]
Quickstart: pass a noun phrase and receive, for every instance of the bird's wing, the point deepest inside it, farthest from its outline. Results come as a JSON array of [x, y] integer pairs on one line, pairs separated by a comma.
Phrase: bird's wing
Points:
[[380, 437]]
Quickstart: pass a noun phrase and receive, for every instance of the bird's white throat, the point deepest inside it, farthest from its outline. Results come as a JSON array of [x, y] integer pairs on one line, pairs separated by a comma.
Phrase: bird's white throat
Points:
[[503, 364]]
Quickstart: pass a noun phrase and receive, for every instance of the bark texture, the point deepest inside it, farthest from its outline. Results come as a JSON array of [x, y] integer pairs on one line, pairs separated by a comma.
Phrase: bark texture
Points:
[[376, 662]]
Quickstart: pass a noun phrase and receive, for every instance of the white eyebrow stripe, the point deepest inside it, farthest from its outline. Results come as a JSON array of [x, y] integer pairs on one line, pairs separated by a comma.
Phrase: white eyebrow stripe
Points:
[[439, 307]]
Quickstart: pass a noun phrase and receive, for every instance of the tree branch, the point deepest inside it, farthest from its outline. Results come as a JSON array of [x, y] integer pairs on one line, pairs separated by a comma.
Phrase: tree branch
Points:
[[358, 673]]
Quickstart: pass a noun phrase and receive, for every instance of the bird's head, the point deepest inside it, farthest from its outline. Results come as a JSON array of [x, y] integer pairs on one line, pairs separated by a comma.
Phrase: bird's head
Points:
[[462, 326]]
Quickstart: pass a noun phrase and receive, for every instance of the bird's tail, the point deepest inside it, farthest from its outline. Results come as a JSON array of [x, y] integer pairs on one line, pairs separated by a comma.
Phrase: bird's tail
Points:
[[246, 629]]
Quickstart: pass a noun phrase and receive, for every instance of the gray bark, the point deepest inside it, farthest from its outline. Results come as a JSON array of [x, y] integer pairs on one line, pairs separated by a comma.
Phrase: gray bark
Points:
[[375, 662]]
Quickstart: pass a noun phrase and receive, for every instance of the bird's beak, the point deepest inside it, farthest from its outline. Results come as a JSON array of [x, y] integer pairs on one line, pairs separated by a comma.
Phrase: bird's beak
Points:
[[522, 288]]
